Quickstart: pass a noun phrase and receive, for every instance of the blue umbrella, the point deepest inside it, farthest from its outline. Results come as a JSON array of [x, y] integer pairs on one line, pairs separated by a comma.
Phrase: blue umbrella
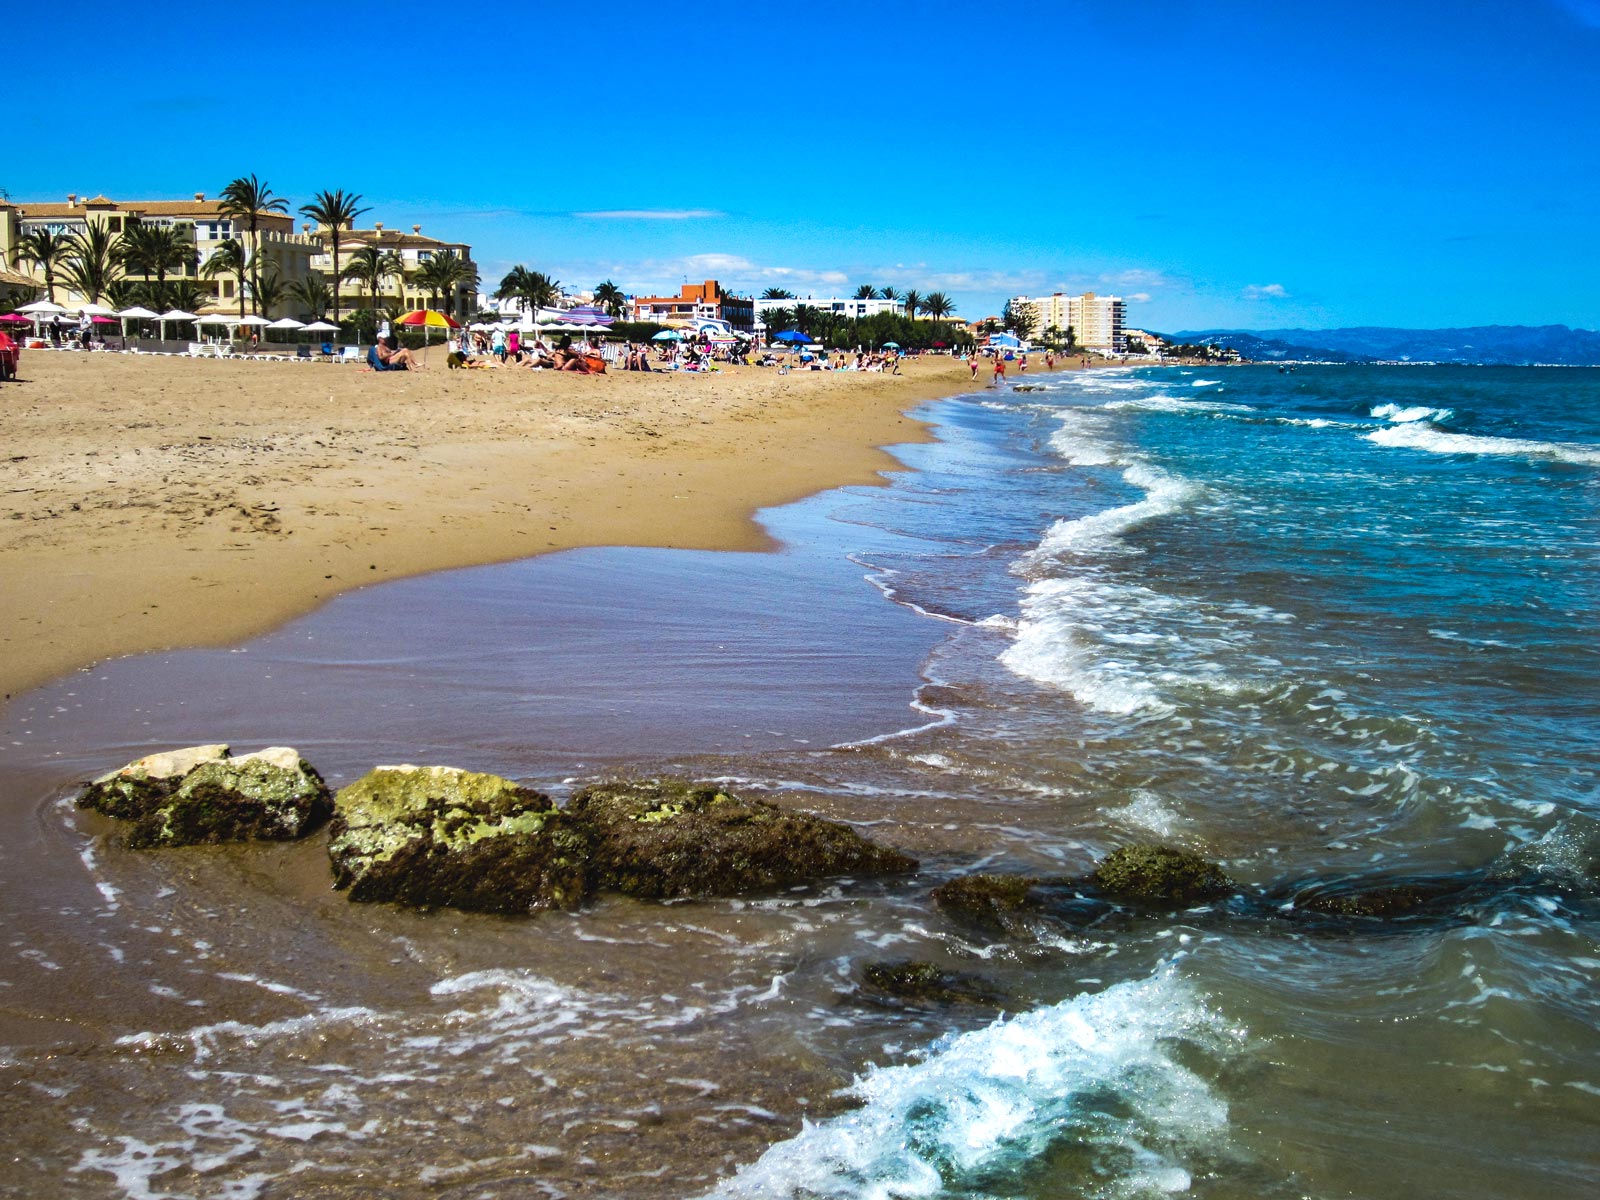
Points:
[[668, 335], [790, 335]]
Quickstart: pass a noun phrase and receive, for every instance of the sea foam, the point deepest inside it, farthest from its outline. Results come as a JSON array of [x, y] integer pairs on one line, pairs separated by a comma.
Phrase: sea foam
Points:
[[1425, 437], [1107, 1082]]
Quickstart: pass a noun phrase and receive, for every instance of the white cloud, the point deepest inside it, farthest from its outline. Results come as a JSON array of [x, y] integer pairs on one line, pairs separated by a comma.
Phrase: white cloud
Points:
[[651, 214], [1140, 297], [1269, 291]]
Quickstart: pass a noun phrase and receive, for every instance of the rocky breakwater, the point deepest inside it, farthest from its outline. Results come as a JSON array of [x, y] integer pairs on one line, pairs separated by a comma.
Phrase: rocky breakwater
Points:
[[443, 837], [203, 794]]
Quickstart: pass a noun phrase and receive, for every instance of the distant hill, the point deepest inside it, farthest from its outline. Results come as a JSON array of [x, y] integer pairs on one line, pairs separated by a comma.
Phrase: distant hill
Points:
[[1509, 345]]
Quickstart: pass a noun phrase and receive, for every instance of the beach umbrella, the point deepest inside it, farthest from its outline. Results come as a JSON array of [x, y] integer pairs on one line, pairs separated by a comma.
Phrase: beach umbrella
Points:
[[587, 315], [173, 314], [253, 320], [320, 327], [96, 310], [427, 319], [668, 335], [891, 345], [793, 336], [16, 319], [38, 310], [215, 319], [287, 323]]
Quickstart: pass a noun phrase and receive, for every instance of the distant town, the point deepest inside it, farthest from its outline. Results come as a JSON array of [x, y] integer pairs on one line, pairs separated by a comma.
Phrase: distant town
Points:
[[245, 251]]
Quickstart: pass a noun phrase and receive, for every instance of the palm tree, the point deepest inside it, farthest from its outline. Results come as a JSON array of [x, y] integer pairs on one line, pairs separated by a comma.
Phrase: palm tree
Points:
[[335, 212], [442, 275], [535, 289], [267, 290], [913, 301], [371, 265], [777, 319], [93, 265], [310, 295], [888, 293], [186, 295], [866, 292], [249, 198], [777, 293], [937, 305], [229, 258], [47, 251], [154, 250], [609, 297]]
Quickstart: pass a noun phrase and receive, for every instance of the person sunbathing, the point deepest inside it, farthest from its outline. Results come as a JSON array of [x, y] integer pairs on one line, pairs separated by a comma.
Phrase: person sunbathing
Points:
[[385, 357]]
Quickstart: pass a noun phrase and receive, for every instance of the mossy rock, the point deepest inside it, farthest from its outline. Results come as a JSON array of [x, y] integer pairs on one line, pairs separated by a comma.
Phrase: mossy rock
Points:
[[928, 983], [991, 902], [1160, 875], [200, 795], [443, 837], [668, 838], [137, 789]]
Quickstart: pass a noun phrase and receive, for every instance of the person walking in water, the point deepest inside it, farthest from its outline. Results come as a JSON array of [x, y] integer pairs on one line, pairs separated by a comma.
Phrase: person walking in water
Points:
[[999, 371], [972, 361]]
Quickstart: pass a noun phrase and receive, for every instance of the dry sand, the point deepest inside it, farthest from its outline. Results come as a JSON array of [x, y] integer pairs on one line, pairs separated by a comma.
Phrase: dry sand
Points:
[[150, 502]]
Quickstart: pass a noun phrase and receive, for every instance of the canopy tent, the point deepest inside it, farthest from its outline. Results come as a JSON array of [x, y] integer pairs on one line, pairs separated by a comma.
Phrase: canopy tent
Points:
[[215, 319], [173, 314]]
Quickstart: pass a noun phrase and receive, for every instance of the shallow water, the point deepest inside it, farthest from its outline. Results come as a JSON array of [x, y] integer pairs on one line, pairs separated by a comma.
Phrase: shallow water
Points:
[[1317, 626]]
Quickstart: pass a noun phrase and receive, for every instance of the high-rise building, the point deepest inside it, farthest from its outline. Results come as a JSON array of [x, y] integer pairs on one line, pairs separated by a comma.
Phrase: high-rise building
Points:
[[1097, 322]]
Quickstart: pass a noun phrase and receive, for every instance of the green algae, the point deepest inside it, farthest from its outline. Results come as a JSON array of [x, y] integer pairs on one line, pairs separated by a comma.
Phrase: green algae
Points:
[[1160, 875]]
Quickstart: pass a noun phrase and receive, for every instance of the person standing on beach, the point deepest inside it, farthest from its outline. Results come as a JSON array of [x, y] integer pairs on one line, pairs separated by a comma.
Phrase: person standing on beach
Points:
[[972, 361], [999, 371]]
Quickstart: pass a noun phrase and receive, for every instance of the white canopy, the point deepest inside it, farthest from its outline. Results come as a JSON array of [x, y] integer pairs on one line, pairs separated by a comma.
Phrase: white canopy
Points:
[[143, 314], [253, 320], [211, 319], [176, 314], [320, 327], [41, 306], [287, 323], [95, 310]]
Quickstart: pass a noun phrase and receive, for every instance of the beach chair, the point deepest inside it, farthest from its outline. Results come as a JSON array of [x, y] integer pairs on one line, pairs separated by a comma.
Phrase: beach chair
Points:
[[302, 351], [327, 349], [352, 354]]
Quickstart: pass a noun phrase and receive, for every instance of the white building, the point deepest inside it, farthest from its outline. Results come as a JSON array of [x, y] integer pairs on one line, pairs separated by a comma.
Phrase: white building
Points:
[[1097, 322], [852, 307]]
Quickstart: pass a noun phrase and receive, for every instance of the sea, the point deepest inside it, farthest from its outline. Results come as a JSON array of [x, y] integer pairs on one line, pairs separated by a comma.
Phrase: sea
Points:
[[1330, 627]]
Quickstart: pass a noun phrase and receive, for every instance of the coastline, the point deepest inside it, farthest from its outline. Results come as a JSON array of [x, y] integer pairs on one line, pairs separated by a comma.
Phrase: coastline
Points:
[[157, 503]]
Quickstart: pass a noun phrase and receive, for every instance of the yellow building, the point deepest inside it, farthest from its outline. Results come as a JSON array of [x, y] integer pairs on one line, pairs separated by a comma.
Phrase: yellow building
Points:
[[284, 253], [412, 250]]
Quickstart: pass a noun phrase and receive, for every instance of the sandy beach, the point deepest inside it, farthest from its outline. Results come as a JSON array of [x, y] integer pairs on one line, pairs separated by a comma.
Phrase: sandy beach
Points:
[[154, 502]]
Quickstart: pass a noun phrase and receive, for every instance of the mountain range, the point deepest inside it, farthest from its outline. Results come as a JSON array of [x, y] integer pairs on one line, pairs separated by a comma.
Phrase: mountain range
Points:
[[1509, 345]]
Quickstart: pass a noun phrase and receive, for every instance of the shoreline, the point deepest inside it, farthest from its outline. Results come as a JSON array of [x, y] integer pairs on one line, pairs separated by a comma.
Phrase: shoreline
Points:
[[161, 503]]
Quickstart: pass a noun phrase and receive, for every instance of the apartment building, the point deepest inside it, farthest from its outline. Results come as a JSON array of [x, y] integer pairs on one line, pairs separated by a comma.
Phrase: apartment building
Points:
[[411, 251], [696, 301], [1097, 322], [284, 253], [842, 307]]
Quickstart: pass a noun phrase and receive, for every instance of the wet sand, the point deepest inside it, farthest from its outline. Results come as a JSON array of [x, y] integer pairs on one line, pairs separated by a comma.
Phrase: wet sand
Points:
[[154, 502]]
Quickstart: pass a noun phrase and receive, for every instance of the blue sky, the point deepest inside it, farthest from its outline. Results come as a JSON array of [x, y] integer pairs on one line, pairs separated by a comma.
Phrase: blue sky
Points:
[[1254, 163]]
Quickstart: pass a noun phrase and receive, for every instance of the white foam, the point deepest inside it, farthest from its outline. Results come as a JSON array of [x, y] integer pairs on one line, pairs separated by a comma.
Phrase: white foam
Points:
[[1101, 532], [1164, 403], [1206, 383], [1436, 441], [1415, 412], [984, 1105]]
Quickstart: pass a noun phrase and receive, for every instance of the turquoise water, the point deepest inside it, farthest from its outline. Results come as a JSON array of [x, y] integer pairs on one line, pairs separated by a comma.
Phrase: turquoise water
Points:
[[1330, 628]]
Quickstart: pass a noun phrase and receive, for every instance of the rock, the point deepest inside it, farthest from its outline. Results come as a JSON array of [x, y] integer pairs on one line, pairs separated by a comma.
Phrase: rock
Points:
[[991, 902], [134, 790], [200, 794], [663, 838], [921, 982], [444, 837], [1160, 875]]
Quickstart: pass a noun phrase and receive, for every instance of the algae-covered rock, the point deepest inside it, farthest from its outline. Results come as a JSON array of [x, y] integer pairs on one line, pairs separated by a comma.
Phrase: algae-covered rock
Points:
[[200, 794], [991, 902], [271, 795], [663, 838], [1160, 875], [133, 791], [444, 837], [928, 983]]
